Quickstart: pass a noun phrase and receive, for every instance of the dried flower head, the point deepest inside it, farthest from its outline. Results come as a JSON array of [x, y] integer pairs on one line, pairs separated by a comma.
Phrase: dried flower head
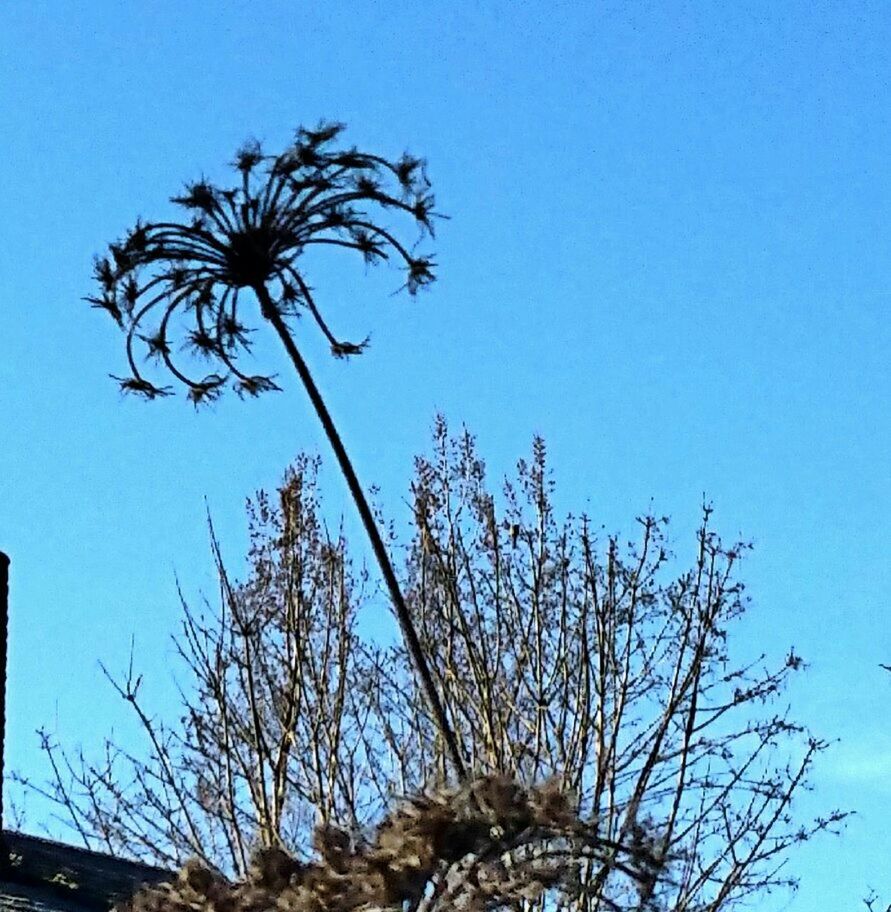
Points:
[[176, 287]]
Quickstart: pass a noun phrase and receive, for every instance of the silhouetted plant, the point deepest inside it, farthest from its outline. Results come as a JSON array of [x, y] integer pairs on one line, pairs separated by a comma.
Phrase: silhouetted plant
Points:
[[250, 238]]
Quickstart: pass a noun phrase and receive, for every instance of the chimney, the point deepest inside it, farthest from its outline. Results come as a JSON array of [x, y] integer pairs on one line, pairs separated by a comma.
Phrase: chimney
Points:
[[4, 629]]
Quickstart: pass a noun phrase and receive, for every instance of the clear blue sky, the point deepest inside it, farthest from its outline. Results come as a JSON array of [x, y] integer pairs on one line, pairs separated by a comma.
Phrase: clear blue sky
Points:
[[668, 253]]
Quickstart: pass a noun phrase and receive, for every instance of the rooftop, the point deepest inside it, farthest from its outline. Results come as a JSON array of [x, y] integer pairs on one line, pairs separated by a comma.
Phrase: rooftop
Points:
[[39, 875]]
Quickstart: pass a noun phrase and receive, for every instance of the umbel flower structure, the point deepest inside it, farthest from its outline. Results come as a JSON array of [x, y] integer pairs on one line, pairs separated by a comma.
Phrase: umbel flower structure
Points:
[[251, 237], [179, 289]]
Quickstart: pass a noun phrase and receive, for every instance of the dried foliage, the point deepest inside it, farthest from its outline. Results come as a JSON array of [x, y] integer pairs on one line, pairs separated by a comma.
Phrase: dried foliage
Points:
[[488, 843], [562, 657]]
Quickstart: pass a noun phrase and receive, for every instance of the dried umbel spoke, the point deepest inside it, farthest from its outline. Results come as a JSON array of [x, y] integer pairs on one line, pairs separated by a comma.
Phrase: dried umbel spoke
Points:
[[177, 288]]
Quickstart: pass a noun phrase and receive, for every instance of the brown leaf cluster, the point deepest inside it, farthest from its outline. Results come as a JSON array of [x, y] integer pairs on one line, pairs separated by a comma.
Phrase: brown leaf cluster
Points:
[[423, 837]]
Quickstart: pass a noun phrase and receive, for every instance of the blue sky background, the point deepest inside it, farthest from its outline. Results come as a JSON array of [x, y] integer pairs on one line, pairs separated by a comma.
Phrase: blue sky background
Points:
[[668, 254]]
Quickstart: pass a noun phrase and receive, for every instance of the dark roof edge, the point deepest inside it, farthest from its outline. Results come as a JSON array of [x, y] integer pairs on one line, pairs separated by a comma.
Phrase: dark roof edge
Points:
[[91, 880], [13, 840]]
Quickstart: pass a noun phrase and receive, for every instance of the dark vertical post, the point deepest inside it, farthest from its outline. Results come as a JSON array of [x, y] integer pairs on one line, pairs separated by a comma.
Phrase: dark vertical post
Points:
[[4, 630]]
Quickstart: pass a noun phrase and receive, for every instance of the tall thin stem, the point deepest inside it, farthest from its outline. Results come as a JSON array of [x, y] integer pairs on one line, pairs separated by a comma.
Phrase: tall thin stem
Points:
[[271, 313]]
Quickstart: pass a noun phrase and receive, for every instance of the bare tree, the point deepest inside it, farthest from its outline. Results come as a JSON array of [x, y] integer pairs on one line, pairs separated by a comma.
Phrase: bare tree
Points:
[[563, 654], [591, 666], [189, 282]]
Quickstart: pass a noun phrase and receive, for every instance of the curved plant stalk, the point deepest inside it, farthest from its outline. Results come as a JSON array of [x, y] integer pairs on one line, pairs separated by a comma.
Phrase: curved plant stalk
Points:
[[377, 544], [186, 279]]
